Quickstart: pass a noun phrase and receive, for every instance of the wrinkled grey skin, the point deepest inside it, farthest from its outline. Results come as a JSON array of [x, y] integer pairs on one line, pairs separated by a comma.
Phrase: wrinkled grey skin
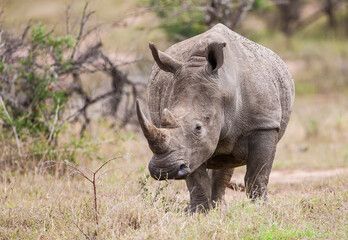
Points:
[[217, 101]]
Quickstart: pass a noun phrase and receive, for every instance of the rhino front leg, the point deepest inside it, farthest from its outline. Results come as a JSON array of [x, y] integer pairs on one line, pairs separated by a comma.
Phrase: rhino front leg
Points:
[[219, 180], [198, 183], [261, 150]]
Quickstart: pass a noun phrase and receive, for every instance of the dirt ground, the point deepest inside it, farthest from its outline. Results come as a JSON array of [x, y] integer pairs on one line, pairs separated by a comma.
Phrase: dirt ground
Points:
[[285, 180], [296, 175]]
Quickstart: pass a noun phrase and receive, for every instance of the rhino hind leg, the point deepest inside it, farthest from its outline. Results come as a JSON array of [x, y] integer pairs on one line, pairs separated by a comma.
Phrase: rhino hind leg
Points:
[[198, 184], [262, 147], [219, 180]]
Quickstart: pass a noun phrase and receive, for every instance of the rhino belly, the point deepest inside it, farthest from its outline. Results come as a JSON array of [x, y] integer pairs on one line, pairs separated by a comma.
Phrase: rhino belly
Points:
[[225, 158], [225, 161]]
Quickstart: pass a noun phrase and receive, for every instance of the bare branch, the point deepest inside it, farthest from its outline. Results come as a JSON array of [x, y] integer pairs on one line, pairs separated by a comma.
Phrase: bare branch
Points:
[[67, 19], [94, 183], [96, 171], [78, 170], [87, 104], [54, 124], [85, 17], [24, 34]]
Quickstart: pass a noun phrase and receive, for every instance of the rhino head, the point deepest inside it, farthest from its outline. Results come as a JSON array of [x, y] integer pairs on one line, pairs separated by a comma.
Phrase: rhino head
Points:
[[191, 123]]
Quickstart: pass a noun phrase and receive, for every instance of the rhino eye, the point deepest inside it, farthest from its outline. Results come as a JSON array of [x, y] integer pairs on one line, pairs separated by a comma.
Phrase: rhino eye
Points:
[[198, 127]]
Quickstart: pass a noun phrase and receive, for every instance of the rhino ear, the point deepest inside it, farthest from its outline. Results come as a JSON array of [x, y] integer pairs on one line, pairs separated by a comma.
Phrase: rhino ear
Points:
[[215, 56], [164, 61]]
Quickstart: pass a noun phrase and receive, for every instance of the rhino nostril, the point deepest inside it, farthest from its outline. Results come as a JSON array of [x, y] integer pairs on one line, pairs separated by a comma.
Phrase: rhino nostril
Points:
[[183, 170]]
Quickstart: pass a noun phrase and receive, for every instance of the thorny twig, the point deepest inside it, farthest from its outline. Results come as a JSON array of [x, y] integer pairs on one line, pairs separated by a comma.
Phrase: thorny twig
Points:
[[92, 179]]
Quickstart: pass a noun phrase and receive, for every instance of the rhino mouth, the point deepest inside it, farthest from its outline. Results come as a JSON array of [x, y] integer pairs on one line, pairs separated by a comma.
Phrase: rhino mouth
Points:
[[177, 171]]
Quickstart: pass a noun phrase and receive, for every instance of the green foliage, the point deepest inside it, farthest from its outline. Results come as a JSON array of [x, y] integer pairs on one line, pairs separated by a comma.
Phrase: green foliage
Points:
[[263, 4], [34, 105], [185, 19], [178, 21], [34, 75], [58, 45]]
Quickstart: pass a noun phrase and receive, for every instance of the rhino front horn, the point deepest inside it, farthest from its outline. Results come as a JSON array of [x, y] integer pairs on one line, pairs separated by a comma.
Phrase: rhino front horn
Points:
[[157, 138]]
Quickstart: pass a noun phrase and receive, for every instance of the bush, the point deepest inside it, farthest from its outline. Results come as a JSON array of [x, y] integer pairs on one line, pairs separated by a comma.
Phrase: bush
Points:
[[33, 94], [28, 72]]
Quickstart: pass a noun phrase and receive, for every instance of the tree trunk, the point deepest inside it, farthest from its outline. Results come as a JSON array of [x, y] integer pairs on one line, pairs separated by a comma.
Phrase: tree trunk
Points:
[[228, 13], [289, 15], [330, 12]]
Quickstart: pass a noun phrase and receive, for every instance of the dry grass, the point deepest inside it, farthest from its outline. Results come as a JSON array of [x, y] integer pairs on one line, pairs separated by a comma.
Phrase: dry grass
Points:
[[134, 206], [43, 207], [317, 134]]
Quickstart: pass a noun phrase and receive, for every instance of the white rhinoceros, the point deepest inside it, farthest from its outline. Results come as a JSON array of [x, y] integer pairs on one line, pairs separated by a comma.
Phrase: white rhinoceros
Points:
[[217, 101]]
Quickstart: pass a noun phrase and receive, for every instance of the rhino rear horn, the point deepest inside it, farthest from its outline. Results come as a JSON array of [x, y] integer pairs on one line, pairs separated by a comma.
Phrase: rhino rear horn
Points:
[[215, 56], [156, 137], [164, 61], [168, 119]]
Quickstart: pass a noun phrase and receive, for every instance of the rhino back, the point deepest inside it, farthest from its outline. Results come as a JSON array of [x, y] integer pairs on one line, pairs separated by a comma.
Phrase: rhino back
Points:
[[256, 83], [264, 87]]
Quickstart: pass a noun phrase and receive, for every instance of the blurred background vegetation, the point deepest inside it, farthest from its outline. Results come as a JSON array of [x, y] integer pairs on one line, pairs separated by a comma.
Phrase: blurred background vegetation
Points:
[[69, 66]]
